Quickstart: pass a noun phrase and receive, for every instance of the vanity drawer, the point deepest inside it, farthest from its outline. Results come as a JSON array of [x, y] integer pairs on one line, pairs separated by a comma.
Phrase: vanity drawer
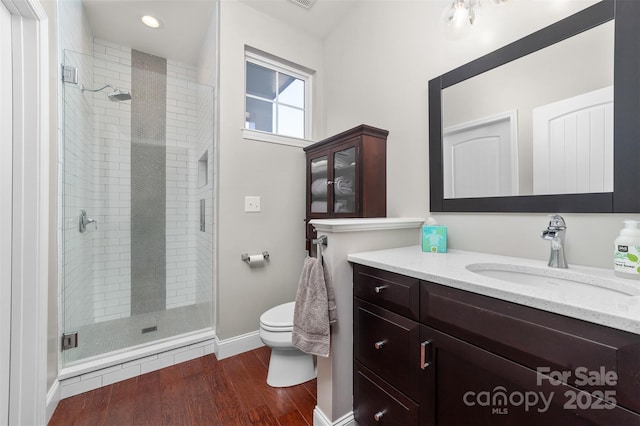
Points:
[[397, 293], [387, 344], [539, 339], [377, 403]]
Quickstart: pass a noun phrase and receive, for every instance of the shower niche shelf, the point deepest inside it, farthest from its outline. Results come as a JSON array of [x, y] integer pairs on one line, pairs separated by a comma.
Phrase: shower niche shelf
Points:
[[203, 170]]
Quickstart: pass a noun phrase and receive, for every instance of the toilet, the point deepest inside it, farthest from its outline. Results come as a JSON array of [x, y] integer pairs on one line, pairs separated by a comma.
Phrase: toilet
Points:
[[288, 366]]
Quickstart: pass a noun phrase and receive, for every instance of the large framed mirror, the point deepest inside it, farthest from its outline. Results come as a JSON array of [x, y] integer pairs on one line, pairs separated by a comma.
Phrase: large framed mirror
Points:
[[564, 138]]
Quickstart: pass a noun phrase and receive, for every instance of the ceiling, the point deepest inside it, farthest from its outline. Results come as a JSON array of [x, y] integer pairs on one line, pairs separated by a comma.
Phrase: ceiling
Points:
[[318, 21], [184, 23]]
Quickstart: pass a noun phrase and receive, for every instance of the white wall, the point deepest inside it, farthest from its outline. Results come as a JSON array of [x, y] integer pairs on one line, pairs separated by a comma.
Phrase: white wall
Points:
[[274, 172], [51, 9], [378, 62]]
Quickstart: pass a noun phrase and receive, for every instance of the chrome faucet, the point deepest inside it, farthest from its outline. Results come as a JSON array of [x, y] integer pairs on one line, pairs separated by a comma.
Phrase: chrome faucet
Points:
[[555, 233]]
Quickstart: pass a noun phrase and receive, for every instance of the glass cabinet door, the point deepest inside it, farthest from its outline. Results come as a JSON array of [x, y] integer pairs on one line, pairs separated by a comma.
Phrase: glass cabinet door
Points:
[[319, 174], [344, 181]]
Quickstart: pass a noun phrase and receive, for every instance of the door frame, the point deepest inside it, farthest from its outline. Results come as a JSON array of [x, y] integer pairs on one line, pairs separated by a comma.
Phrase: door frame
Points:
[[6, 154], [30, 212]]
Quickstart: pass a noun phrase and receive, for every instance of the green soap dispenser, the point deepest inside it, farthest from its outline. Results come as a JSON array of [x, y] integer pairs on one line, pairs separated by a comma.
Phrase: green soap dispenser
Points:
[[626, 261]]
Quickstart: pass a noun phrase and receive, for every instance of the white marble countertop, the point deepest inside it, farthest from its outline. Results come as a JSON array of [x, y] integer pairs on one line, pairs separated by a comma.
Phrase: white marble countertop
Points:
[[612, 309]]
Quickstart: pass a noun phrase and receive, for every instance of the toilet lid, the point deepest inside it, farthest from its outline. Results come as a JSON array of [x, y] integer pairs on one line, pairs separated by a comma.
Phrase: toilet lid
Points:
[[280, 316]]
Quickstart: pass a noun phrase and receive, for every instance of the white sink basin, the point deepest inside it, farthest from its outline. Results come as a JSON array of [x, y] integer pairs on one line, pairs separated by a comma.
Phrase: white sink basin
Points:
[[557, 279]]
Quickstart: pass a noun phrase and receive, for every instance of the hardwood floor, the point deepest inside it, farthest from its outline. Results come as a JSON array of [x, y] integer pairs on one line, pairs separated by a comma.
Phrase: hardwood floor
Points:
[[203, 391]]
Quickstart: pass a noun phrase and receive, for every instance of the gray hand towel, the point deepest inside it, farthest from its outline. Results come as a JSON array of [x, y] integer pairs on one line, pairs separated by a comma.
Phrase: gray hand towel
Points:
[[314, 310]]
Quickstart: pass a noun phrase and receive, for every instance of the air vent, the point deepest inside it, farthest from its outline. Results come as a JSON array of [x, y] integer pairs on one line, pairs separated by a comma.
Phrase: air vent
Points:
[[307, 4]]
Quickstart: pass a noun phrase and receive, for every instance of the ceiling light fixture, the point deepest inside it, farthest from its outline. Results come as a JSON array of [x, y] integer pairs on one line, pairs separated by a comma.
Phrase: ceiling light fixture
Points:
[[460, 15], [150, 21], [307, 4], [458, 18]]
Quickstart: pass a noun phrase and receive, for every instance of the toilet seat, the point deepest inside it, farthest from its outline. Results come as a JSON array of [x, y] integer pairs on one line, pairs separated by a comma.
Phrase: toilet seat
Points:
[[278, 318]]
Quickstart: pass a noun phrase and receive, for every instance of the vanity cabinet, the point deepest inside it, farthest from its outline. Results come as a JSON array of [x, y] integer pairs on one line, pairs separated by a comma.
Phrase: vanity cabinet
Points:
[[346, 176], [483, 361]]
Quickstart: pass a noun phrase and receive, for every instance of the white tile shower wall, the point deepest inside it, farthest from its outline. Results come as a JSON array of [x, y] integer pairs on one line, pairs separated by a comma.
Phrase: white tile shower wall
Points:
[[204, 240], [112, 177], [112, 165], [206, 243], [182, 205]]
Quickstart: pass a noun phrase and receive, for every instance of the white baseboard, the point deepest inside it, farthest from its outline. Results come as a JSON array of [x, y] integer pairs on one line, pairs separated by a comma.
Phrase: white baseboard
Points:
[[53, 398], [238, 344], [320, 419]]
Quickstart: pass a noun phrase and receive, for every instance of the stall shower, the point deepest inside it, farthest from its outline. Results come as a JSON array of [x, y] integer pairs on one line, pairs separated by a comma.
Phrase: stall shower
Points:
[[137, 200]]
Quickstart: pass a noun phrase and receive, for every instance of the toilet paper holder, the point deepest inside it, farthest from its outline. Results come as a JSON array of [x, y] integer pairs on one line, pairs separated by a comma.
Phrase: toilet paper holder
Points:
[[245, 256]]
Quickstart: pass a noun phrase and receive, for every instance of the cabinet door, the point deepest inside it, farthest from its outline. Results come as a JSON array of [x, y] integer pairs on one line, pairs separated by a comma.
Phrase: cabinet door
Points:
[[466, 385], [318, 181], [344, 185], [539, 340]]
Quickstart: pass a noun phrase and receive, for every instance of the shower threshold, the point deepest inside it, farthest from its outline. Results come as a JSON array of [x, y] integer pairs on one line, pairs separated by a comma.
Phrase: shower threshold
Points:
[[132, 362]]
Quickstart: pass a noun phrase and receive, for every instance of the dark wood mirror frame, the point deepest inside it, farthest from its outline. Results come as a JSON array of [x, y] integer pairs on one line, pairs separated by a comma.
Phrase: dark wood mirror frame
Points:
[[625, 197]]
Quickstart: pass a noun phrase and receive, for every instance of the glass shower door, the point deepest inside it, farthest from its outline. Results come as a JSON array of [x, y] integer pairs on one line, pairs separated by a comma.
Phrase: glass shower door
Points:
[[137, 201]]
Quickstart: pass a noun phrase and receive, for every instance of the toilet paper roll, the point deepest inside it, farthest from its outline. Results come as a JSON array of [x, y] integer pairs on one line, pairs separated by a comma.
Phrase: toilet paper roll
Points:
[[256, 259]]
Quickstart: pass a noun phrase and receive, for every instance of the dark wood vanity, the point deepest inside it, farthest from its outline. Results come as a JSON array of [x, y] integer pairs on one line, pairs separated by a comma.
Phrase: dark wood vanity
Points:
[[429, 354]]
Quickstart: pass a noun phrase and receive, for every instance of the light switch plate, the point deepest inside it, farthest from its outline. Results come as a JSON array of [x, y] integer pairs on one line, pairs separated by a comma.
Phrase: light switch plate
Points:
[[251, 203]]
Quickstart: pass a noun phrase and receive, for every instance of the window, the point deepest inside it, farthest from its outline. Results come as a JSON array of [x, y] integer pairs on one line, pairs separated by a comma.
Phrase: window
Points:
[[277, 97]]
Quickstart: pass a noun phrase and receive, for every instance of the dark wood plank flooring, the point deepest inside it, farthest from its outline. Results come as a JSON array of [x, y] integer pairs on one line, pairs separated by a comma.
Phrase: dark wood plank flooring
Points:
[[203, 391]]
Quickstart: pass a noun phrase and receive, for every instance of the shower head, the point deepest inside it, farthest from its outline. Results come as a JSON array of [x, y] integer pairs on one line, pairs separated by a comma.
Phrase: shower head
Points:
[[115, 96]]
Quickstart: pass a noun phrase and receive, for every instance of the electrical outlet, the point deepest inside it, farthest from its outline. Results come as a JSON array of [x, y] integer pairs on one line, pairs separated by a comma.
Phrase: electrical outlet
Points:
[[251, 204]]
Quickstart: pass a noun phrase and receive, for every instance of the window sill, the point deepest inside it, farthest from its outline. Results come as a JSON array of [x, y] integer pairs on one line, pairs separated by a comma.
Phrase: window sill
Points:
[[257, 135]]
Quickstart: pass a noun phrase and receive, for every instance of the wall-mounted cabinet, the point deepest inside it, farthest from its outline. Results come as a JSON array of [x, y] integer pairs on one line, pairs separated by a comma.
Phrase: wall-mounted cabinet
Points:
[[347, 176]]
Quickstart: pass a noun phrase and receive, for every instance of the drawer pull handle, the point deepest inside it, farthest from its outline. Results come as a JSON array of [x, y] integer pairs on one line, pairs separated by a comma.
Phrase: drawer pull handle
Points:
[[377, 416], [380, 288], [425, 352], [380, 344]]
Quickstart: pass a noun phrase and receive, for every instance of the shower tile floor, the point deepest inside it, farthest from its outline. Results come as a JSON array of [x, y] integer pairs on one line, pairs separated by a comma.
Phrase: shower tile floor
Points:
[[95, 340]]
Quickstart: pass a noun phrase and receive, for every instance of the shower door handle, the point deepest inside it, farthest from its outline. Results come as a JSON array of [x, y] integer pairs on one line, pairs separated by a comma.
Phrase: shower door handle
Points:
[[202, 215], [83, 221]]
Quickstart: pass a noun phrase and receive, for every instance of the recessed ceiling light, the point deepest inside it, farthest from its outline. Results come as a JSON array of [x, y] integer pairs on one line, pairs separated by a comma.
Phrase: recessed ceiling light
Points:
[[150, 21]]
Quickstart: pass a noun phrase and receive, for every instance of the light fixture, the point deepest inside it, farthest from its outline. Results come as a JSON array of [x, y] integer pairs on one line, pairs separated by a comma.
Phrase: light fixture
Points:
[[459, 17], [150, 21], [307, 4]]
